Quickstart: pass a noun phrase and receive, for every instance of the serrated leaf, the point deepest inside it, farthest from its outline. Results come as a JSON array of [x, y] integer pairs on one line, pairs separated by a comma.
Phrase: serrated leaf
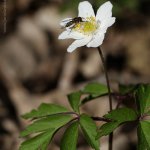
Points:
[[144, 135], [143, 98], [107, 128], [95, 89], [38, 141], [74, 100], [89, 129], [118, 116], [70, 137], [124, 89], [122, 115], [55, 121], [44, 110]]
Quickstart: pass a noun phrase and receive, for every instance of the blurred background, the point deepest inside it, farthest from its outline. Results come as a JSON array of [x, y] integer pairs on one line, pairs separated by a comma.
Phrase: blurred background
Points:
[[35, 67]]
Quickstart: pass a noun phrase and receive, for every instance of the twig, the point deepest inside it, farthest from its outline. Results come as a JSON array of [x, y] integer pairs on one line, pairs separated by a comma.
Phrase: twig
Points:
[[101, 119]]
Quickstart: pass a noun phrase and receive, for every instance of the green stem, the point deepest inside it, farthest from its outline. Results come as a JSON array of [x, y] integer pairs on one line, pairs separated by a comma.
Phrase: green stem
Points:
[[109, 94]]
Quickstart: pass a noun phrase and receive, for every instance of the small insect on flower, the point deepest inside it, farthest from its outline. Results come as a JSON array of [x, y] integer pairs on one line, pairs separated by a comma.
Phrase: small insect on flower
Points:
[[72, 22], [88, 29]]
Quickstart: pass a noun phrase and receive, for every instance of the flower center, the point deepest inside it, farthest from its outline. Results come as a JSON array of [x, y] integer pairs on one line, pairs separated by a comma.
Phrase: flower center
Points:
[[87, 27]]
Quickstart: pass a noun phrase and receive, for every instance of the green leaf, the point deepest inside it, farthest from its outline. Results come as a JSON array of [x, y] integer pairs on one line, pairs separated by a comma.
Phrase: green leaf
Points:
[[89, 129], [38, 141], [144, 135], [95, 89], [122, 115], [44, 110], [107, 128], [55, 121], [124, 89], [142, 145], [143, 98], [45, 144], [70, 137], [74, 100], [118, 116]]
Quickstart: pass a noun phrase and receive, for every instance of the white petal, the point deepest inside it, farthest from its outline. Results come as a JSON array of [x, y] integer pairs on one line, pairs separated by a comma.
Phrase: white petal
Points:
[[85, 9], [97, 40], [78, 43], [71, 35], [65, 21], [104, 11], [63, 35], [107, 22]]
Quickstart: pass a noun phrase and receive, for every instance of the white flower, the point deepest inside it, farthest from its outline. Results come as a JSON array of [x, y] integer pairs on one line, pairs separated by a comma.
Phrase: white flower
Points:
[[91, 30]]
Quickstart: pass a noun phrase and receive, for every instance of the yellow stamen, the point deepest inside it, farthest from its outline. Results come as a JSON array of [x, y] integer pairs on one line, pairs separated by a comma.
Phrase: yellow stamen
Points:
[[87, 27]]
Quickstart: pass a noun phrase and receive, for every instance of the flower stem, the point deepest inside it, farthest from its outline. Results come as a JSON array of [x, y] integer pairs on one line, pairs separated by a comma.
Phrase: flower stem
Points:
[[106, 75], [109, 94]]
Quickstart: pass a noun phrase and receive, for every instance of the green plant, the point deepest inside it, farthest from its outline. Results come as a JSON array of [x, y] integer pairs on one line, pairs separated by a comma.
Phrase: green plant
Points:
[[49, 118]]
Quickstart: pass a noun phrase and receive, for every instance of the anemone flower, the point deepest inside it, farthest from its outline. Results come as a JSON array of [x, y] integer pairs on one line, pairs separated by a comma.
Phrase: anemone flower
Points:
[[87, 29]]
